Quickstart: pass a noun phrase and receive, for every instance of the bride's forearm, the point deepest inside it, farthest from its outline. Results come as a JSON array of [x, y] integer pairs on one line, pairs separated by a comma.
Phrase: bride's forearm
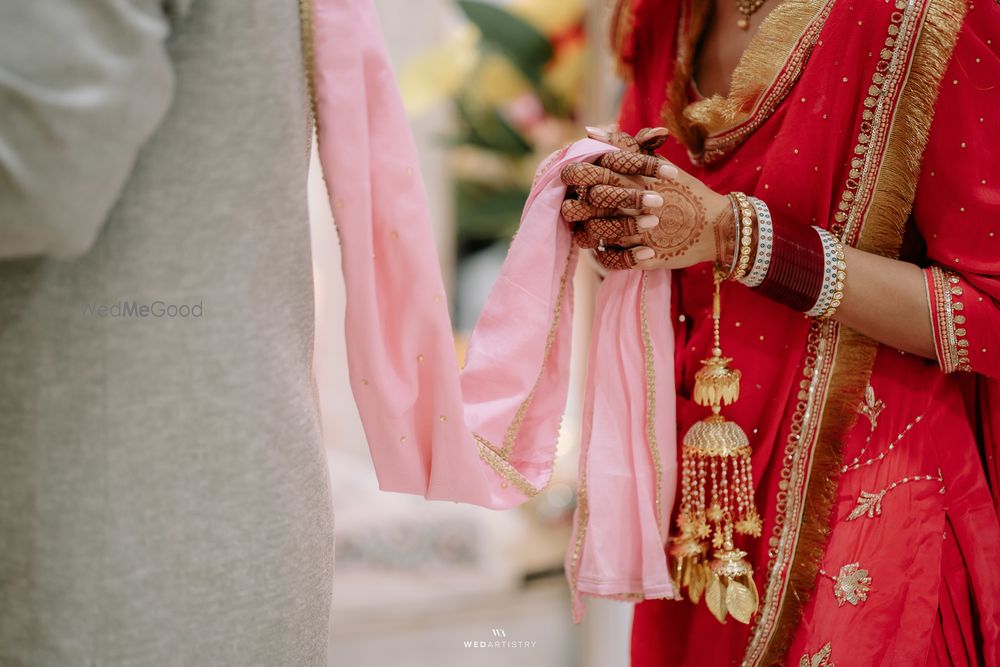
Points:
[[886, 299]]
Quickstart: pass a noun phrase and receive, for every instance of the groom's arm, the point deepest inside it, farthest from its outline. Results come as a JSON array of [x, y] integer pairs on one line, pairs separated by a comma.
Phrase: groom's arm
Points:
[[83, 84]]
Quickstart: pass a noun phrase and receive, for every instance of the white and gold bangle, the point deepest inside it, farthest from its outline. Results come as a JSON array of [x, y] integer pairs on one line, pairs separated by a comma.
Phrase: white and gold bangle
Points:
[[745, 241], [834, 275], [765, 245]]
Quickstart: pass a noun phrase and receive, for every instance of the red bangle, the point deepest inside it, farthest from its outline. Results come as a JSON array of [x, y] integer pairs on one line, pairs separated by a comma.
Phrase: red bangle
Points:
[[796, 274]]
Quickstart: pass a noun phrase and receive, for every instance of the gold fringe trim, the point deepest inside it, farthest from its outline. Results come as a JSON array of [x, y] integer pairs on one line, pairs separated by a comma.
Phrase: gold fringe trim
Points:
[[690, 25], [622, 25], [767, 57], [852, 366], [897, 179], [882, 233]]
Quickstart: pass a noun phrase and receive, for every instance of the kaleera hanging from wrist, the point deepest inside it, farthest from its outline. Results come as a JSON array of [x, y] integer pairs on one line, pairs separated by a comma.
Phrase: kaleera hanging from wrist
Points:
[[717, 497]]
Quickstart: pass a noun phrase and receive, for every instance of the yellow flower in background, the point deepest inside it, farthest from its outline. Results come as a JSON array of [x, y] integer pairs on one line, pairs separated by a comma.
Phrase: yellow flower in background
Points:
[[498, 81], [564, 76], [440, 73], [551, 17]]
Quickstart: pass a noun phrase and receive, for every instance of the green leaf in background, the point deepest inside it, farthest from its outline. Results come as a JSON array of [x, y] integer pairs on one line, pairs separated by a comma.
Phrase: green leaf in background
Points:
[[487, 213], [487, 129], [516, 39]]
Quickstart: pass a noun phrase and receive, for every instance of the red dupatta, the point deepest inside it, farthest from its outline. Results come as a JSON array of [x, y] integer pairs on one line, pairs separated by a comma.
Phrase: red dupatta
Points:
[[827, 121]]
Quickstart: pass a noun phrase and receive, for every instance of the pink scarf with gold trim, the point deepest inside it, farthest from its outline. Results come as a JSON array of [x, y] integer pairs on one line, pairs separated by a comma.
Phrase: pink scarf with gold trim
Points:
[[487, 435]]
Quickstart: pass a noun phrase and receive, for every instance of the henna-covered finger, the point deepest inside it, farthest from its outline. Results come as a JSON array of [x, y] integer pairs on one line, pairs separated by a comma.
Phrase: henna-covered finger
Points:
[[638, 164], [610, 196], [583, 240], [651, 138], [616, 259], [623, 141], [584, 174], [610, 230], [620, 259], [577, 210]]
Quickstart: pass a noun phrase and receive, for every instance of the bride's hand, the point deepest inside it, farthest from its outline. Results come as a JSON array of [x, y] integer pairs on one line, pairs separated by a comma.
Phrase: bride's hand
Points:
[[639, 211]]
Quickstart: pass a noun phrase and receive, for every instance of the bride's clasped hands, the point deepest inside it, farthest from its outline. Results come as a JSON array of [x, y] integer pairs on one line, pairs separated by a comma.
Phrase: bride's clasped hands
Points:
[[637, 210]]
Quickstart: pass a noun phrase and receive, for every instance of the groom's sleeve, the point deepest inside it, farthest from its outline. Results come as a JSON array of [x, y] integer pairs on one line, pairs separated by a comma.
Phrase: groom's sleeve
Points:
[[83, 85]]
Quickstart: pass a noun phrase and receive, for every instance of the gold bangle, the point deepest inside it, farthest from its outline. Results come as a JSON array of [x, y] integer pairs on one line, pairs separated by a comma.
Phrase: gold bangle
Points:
[[746, 224], [840, 267]]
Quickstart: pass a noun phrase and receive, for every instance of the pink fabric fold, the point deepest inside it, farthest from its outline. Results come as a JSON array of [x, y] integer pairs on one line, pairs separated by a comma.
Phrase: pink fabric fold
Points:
[[487, 435]]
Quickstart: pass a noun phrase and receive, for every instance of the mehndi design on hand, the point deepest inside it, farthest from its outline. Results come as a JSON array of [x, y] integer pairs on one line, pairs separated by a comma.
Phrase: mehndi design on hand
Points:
[[682, 221]]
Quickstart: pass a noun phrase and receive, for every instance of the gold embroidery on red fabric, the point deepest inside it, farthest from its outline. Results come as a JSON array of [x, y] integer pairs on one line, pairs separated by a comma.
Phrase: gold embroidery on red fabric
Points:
[[773, 67], [855, 464], [952, 344], [851, 585], [876, 122], [870, 504], [872, 407], [817, 367], [819, 659], [881, 175], [765, 73]]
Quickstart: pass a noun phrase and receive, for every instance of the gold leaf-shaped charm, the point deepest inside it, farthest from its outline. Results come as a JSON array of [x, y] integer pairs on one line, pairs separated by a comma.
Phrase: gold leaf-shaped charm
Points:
[[716, 383], [740, 601], [715, 598], [698, 579]]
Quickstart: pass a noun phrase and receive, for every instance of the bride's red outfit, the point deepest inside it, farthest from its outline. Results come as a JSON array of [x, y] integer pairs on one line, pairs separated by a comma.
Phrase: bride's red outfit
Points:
[[878, 120]]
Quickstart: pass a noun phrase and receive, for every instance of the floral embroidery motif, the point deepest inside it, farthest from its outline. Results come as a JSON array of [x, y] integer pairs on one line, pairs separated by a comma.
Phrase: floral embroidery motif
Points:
[[820, 659], [852, 584], [857, 463], [870, 504], [872, 407]]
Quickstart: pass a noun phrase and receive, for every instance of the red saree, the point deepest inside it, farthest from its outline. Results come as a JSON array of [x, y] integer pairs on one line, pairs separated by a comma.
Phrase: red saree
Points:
[[877, 120]]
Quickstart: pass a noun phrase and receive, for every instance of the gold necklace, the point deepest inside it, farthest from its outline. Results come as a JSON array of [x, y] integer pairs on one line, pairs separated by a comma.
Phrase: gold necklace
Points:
[[747, 7]]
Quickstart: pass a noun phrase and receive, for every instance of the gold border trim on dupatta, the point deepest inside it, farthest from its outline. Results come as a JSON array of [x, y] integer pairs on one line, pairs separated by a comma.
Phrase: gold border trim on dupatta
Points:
[[765, 74], [498, 458], [622, 25], [583, 508], [879, 192]]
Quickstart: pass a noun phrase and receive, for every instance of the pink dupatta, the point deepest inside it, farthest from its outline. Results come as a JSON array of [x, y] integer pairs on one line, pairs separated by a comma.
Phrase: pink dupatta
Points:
[[487, 435]]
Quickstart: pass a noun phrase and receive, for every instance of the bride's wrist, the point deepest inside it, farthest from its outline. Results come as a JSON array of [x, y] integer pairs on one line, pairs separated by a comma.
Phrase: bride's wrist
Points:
[[724, 233]]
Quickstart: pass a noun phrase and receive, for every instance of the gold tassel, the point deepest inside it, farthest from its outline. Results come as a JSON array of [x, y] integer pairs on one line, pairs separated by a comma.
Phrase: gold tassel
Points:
[[717, 495]]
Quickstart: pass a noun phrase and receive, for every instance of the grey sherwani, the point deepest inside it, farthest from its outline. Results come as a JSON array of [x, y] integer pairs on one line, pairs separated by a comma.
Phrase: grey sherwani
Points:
[[163, 494]]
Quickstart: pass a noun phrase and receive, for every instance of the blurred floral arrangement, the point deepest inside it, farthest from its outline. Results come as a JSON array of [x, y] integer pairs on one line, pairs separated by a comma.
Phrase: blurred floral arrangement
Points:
[[513, 74]]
